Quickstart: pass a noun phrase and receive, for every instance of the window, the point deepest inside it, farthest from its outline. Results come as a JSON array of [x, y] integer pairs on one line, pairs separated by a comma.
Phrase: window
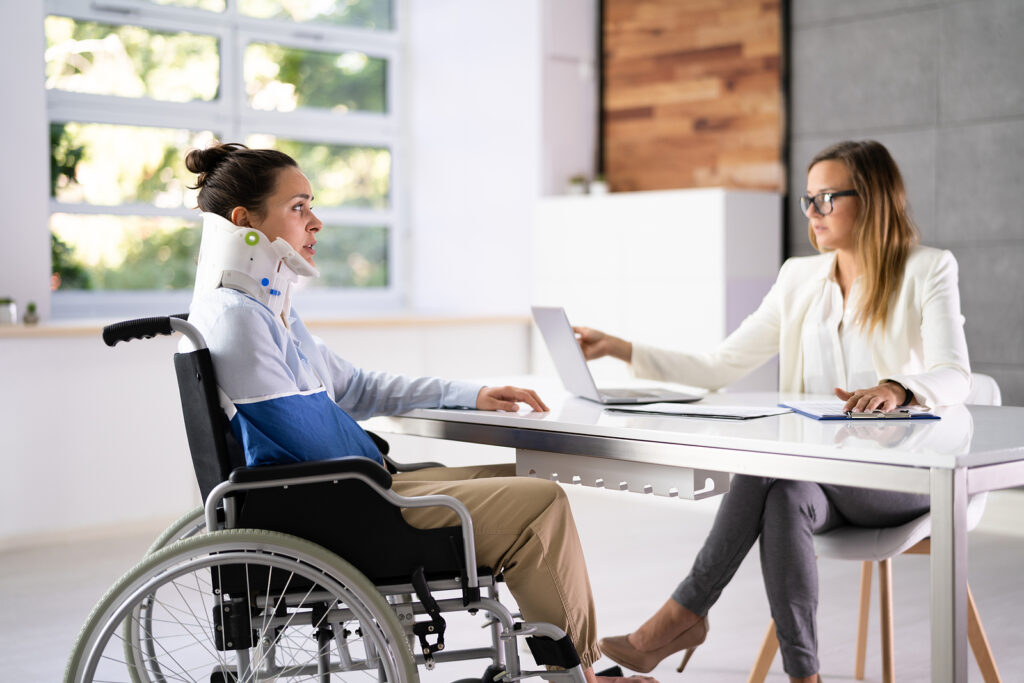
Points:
[[133, 84]]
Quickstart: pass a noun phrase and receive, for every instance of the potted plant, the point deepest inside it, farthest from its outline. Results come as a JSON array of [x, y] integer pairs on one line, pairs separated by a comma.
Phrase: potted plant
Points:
[[8, 311], [578, 184], [31, 316]]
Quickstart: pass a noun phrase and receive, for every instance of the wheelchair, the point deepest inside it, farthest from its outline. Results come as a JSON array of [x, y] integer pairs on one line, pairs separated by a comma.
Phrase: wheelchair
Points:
[[297, 572]]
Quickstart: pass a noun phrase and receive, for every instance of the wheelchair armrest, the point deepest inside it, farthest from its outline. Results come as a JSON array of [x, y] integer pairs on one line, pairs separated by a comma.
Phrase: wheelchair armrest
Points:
[[396, 467], [393, 466], [296, 474], [315, 468]]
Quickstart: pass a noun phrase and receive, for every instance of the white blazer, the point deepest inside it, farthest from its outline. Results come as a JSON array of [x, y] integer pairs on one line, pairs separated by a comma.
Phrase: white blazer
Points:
[[922, 346]]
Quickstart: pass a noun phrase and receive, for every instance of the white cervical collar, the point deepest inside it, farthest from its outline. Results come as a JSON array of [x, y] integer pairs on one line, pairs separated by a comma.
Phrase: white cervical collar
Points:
[[242, 258]]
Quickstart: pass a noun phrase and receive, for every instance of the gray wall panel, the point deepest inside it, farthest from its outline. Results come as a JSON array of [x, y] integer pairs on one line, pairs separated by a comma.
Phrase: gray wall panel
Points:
[[981, 183], [801, 152], [991, 300], [1010, 379], [847, 80], [811, 12], [982, 61]]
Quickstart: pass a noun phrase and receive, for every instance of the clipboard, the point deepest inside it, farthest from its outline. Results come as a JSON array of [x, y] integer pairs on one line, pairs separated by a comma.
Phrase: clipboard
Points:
[[832, 410]]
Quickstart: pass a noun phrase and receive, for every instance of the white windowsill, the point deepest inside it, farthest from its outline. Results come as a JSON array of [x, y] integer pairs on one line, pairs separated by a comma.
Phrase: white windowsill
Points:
[[92, 328]]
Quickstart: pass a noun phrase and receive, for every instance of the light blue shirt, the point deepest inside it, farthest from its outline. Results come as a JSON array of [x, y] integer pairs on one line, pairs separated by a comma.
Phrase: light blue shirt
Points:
[[296, 400]]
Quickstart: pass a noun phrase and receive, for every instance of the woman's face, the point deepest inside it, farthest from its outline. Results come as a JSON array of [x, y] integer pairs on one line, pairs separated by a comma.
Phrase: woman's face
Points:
[[836, 230], [289, 213]]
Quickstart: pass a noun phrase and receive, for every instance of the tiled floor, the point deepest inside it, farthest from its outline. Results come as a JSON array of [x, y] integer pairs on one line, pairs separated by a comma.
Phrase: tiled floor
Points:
[[637, 548]]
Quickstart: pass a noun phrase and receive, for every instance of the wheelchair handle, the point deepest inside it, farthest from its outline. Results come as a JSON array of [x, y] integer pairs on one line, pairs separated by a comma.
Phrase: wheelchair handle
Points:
[[147, 328]]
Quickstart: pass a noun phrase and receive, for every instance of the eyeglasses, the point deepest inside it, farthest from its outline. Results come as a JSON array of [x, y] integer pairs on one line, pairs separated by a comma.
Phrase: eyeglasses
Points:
[[823, 201]]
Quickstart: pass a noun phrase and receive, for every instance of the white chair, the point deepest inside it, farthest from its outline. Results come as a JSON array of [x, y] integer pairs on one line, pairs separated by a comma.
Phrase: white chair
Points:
[[881, 545]]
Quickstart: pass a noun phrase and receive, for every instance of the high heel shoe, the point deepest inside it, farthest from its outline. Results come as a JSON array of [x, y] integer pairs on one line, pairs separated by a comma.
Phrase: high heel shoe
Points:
[[620, 651]]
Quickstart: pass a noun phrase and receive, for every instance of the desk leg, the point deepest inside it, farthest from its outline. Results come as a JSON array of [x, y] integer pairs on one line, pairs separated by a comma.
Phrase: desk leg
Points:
[[949, 575]]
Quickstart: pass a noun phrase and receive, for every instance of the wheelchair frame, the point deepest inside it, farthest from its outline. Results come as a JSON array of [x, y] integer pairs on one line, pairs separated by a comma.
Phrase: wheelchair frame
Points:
[[319, 586]]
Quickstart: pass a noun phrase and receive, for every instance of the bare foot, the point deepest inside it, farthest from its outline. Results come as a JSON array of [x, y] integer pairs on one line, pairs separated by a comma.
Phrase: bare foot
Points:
[[667, 623]]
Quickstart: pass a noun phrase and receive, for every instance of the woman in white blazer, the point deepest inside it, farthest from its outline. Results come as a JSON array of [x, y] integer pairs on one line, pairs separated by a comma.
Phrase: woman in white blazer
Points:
[[874, 318]]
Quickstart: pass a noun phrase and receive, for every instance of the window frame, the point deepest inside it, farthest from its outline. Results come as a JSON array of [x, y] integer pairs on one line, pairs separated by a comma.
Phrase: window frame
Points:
[[233, 120]]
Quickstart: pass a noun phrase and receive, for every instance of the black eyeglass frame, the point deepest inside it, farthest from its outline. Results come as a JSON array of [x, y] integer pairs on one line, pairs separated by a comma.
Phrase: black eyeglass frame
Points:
[[819, 199]]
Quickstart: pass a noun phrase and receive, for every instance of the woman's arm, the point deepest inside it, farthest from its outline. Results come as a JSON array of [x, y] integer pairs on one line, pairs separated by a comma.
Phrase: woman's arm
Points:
[[364, 393], [947, 376]]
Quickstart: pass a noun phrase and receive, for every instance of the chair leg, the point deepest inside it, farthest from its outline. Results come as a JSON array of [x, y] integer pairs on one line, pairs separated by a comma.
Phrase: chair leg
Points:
[[862, 619], [765, 656], [979, 642], [885, 597]]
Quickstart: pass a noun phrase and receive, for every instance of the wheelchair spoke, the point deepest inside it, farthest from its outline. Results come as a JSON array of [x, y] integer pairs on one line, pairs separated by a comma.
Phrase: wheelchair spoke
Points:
[[171, 644], [242, 616]]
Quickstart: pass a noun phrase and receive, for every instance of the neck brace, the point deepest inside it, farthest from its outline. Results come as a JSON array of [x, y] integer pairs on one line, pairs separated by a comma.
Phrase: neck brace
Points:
[[244, 259]]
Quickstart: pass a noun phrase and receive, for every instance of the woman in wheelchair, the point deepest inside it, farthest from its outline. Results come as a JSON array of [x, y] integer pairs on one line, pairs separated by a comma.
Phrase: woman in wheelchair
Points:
[[290, 399]]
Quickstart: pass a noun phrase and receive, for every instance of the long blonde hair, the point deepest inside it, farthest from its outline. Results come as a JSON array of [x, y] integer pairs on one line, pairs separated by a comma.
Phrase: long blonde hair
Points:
[[884, 231]]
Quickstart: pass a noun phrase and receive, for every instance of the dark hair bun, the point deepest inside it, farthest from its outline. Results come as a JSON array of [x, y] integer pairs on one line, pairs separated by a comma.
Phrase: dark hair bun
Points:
[[230, 174], [203, 161]]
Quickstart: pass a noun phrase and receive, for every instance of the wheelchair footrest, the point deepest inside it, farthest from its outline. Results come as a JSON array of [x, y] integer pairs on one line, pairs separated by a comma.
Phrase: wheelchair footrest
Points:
[[549, 652]]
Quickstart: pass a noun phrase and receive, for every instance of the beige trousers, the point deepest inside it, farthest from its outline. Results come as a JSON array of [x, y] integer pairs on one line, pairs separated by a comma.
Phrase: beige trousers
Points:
[[523, 527]]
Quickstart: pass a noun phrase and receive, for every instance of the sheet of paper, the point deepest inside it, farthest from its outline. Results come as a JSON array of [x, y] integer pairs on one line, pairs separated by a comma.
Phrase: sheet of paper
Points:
[[711, 411]]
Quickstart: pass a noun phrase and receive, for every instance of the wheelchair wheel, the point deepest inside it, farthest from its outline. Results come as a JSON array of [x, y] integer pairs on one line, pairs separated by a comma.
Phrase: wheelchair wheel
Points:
[[242, 605], [188, 525]]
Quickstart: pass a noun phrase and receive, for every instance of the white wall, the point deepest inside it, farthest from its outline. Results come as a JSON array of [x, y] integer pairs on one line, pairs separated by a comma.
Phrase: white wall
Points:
[[24, 173], [473, 72], [675, 268], [570, 97]]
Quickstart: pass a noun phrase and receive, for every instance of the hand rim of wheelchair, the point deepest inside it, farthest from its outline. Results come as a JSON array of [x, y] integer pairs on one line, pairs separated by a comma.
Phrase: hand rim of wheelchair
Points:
[[296, 555], [188, 525]]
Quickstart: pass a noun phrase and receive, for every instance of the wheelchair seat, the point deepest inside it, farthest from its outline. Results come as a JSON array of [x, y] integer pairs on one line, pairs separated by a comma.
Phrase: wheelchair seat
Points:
[[304, 571]]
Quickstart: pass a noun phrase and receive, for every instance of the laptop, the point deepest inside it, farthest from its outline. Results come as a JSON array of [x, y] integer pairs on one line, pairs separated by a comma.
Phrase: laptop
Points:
[[572, 366]]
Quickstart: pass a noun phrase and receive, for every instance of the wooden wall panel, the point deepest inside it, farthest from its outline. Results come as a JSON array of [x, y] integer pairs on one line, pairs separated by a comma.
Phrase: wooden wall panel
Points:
[[692, 94]]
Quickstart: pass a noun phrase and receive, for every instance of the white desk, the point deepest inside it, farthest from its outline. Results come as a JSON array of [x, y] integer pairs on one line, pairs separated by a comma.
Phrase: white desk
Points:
[[969, 450]]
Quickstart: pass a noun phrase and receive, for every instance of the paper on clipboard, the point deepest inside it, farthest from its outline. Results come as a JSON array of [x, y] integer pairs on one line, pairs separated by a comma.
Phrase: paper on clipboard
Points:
[[707, 411], [833, 410]]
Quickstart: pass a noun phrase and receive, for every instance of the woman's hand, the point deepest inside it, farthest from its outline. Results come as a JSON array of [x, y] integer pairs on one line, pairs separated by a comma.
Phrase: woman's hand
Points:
[[886, 396], [596, 344], [508, 399]]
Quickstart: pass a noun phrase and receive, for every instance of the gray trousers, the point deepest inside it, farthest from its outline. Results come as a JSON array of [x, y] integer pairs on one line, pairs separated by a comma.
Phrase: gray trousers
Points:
[[785, 515]]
